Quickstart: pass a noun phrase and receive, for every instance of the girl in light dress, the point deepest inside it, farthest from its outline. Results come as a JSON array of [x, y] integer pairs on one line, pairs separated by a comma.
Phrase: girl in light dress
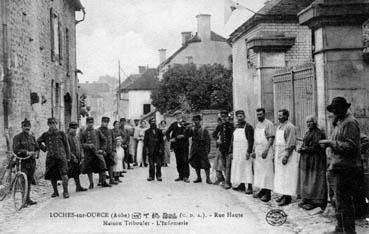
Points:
[[140, 144], [118, 158]]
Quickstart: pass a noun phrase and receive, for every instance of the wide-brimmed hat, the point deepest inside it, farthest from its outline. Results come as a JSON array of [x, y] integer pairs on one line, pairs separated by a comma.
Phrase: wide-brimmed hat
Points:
[[338, 102]]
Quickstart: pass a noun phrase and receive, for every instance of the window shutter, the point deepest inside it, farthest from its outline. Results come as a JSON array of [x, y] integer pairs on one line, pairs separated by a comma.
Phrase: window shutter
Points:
[[52, 35]]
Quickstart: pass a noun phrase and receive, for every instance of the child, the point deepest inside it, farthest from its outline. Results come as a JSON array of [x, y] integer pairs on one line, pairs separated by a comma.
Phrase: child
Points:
[[118, 158]]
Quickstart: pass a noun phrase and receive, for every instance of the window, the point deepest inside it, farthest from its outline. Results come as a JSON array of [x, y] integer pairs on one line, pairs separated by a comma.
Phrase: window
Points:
[[54, 35], [146, 108], [60, 44], [189, 59], [67, 51]]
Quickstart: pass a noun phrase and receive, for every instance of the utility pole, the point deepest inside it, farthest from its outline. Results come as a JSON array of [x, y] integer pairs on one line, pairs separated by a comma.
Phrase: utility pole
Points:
[[118, 93]]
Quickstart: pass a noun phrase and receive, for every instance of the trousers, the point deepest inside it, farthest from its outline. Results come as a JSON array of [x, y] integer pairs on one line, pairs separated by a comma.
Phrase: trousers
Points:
[[182, 162]]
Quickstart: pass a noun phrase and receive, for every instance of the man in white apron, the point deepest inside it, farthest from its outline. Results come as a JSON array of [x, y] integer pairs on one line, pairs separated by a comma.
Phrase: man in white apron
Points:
[[286, 160], [263, 154], [242, 144]]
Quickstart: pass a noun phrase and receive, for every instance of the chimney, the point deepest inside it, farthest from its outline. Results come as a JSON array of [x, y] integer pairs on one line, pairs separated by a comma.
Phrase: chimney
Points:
[[185, 37], [203, 26], [141, 69], [162, 55]]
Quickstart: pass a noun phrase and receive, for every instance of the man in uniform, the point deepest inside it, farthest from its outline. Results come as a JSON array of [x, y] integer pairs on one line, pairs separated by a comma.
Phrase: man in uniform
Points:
[[177, 135], [241, 149], [344, 171], [93, 142], [55, 142], [108, 149], [25, 144], [263, 154], [286, 161], [74, 169], [200, 149], [154, 143], [223, 135]]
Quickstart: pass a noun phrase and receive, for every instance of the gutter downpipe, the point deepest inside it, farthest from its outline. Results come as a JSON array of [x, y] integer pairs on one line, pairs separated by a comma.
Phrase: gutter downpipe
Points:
[[6, 80], [79, 71]]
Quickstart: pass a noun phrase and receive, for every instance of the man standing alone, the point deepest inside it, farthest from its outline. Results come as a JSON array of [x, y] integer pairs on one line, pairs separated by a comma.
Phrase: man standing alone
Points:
[[263, 154], [177, 135]]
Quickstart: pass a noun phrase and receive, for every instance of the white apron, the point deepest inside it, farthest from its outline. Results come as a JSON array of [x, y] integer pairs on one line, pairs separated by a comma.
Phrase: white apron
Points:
[[286, 176], [118, 159], [263, 168], [140, 146], [241, 170]]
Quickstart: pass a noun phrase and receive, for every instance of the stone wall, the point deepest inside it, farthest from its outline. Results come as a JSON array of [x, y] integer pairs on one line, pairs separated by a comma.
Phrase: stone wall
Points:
[[31, 68]]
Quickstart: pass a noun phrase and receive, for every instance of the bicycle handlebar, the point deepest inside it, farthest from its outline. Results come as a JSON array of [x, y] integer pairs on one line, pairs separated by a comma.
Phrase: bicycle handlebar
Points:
[[20, 158]]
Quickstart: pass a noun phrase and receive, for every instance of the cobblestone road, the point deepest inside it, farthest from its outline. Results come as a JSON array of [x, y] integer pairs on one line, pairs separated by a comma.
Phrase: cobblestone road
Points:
[[135, 194]]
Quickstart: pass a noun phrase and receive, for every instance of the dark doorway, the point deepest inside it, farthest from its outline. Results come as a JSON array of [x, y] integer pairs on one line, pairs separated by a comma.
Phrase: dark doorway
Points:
[[67, 109]]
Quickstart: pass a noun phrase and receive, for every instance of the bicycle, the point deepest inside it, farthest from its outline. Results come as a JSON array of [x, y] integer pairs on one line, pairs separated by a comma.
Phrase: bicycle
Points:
[[15, 181]]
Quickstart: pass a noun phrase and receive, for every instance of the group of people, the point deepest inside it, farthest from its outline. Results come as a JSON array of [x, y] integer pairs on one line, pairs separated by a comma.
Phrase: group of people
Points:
[[268, 158], [264, 156]]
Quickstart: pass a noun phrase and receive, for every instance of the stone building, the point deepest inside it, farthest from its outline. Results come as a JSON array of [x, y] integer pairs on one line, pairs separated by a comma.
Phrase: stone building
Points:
[[37, 64], [203, 47], [268, 41], [298, 55]]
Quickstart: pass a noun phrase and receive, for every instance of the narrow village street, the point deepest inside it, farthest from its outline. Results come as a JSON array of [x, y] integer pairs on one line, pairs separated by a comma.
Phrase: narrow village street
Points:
[[136, 195]]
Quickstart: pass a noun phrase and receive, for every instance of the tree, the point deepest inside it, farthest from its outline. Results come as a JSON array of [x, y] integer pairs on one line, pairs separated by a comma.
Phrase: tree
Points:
[[189, 88]]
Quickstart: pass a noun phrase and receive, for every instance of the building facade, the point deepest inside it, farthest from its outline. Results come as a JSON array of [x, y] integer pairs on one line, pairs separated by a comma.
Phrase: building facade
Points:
[[37, 64], [203, 47]]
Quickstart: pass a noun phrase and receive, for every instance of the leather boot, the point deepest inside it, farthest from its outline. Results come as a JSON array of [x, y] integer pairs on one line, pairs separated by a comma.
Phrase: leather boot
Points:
[[65, 186], [54, 183], [198, 173], [103, 180], [259, 194], [249, 189], [207, 173], [267, 196], [79, 188]]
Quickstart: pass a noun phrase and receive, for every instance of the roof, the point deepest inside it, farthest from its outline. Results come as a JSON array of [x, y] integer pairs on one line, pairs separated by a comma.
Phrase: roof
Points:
[[94, 88], [129, 80], [194, 39], [147, 81], [77, 5], [273, 10]]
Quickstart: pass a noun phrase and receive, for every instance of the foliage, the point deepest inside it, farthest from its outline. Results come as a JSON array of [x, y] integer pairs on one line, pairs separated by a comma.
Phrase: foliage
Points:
[[190, 88]]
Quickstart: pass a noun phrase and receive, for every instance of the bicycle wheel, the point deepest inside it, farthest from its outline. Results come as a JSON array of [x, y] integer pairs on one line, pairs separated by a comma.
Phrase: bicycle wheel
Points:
[[5, 183], [20, 189]]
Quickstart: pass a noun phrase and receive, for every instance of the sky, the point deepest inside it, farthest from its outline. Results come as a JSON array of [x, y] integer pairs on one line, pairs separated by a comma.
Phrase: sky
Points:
[[133, 31]]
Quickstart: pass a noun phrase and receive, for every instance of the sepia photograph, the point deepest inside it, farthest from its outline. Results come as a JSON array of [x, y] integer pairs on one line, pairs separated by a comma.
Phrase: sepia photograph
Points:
[[184, 116]]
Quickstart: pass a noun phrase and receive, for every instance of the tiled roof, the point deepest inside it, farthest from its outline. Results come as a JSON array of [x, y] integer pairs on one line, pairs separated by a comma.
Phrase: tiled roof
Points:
[[194, 39], [129, 80], [147, 81], [281, 10]]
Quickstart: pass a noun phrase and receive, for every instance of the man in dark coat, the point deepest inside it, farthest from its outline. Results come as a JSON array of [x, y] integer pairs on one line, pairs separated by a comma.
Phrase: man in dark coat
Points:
[[344, 170], [25, 144], [74, 169], [93, 142], [176, 134], [154, 143], [200, 149], [125, 143], [55, 142], [223, 134], [109, 150]]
